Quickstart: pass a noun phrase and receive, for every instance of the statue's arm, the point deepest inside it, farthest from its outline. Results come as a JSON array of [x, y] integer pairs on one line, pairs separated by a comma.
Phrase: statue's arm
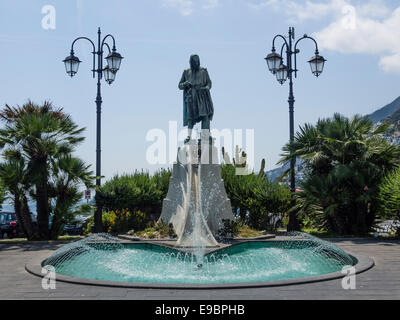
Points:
[[182, 82]]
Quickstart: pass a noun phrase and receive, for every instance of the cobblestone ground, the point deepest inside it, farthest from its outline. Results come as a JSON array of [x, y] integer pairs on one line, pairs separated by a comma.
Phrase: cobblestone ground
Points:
[[380, 282]]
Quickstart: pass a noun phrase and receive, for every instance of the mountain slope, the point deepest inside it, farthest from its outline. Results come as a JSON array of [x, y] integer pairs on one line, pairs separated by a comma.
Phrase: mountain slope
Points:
[[393, 133], [385, 111], [276, 173], [393, 118]]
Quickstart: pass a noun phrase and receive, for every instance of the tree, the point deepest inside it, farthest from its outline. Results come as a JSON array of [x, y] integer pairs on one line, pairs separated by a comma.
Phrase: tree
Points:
[[42, 135], [67, 173], [13, 175], [3, 193], [345, 162]]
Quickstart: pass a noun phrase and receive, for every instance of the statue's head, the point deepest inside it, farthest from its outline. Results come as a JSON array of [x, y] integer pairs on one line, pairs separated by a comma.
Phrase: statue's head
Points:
[[194, 62]]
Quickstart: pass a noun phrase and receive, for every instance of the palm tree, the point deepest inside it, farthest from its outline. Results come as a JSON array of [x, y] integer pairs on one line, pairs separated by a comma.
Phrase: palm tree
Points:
[[345, 159], [42, 134], [389, 197], [13, 175], [67, 174]]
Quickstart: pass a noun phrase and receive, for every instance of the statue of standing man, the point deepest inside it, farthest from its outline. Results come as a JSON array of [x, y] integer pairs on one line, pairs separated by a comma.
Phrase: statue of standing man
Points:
[[197, 103]]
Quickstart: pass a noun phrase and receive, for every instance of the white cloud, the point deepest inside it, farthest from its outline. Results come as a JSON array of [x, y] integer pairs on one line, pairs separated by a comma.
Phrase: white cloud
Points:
[[390, 63], [313, 11], [211, 4], [185, 7], [269, 3], [367, 35], [367, 27]]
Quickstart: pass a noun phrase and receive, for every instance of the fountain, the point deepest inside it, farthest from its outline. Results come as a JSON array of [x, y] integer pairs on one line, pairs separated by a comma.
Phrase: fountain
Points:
[[196, 259], [292, 258], [196, 206]]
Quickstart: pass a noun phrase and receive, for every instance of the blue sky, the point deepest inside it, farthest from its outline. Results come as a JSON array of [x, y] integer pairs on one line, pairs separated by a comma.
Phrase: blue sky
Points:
[[360, 40]]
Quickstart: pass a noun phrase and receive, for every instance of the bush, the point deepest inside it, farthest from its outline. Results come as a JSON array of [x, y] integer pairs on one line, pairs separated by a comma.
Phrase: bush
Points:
[[255, 198], [237, 228], [389, 197], [158, 230], [137, 191], [230, 228], [165, 229], [120, 221]]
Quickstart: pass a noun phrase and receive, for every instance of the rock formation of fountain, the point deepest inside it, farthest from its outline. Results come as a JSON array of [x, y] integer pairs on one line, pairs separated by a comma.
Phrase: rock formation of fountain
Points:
[[196, 203]]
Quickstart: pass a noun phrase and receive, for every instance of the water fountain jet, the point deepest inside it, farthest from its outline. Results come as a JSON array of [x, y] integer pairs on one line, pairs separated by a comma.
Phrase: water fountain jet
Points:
[[196, 202]]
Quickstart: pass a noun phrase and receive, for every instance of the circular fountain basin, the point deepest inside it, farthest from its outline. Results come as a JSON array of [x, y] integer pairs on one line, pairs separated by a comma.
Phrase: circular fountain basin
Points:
[[103, 260]]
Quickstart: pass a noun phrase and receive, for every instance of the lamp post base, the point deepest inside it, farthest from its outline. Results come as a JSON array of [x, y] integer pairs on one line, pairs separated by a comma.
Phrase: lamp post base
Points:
[[293, 224], [98, 220]]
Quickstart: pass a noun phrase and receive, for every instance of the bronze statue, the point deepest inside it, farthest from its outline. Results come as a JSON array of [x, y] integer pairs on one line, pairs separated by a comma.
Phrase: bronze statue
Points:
[[197, 103]]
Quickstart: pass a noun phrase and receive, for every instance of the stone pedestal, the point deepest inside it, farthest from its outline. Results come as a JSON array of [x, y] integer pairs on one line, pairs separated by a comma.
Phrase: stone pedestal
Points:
[[196, 202]]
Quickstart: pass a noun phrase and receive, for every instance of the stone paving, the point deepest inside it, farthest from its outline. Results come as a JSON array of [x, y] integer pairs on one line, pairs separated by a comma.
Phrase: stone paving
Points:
[[380, 282]]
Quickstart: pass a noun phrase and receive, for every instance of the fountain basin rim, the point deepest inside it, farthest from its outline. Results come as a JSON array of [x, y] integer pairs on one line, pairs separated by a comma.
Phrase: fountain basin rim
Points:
[[363, 263]]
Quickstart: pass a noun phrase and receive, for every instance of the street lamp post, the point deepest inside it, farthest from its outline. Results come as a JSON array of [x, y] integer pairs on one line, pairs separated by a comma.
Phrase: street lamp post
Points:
[[109, 72], [284, 71]]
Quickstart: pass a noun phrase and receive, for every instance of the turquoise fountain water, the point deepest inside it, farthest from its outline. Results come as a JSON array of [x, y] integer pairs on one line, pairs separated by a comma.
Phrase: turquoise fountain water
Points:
[[103, 257]]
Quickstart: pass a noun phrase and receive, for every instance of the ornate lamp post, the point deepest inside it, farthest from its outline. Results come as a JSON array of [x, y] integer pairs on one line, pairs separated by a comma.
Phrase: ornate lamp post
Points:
[[284, 70], [109, 72]]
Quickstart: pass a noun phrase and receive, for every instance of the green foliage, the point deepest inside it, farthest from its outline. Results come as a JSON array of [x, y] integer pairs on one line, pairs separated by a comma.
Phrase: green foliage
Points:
[[345, 162], [3, 192], [244, 231], [84, 209], [230, 228], [120, 221], [389, 196], [67, 173], [165, 229], [255, 197], [37, 142], [135, 191], [157, 230], [237, 228]]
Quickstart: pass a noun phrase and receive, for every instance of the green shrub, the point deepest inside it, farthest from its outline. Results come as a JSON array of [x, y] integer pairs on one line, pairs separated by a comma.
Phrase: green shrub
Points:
[[237, 228], [158, 230], [389, 196], [244, 231], [254, 197], [230, 228], [120, 221], [165, 229], [137, 191]]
